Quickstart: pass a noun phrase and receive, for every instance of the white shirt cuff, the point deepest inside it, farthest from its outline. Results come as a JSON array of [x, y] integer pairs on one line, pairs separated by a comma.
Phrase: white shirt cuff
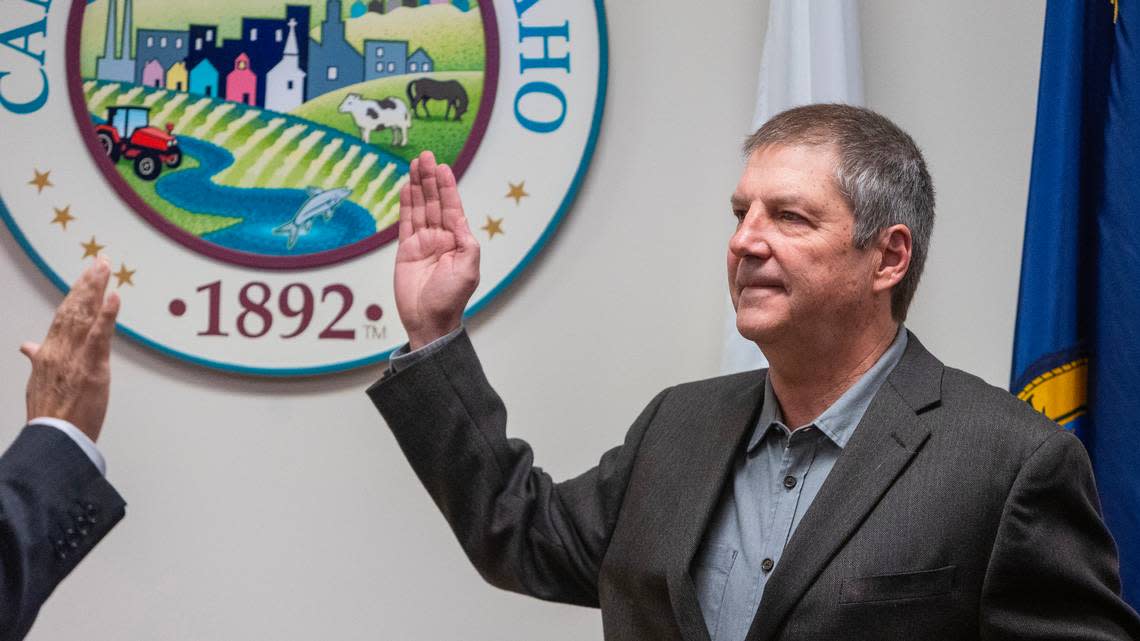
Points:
[[81, 439], [405, 357]]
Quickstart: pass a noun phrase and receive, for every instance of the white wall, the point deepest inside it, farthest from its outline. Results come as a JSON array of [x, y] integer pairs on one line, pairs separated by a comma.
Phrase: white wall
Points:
[[283, 509], [961, 77]]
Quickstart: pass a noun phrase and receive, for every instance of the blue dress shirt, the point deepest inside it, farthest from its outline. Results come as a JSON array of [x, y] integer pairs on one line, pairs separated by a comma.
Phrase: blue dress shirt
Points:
[[774, 482]]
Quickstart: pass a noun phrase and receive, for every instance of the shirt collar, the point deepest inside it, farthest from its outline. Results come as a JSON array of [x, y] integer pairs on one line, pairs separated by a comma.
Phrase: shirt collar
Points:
[[838, 421], [770, 415]]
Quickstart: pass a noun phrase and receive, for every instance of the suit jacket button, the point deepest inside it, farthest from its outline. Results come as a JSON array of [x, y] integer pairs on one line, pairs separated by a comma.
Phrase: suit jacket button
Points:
[[767, 565]]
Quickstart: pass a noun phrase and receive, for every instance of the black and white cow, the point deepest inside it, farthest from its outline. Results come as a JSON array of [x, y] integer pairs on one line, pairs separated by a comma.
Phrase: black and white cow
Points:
[[375, 115]]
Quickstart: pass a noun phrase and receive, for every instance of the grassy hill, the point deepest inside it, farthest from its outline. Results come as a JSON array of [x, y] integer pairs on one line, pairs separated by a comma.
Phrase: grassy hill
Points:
[[270, 150], [453, 38], [444, 138]]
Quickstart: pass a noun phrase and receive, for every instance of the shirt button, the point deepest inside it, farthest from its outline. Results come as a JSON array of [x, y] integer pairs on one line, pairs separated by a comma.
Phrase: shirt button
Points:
[[767, 565], [789, 482]]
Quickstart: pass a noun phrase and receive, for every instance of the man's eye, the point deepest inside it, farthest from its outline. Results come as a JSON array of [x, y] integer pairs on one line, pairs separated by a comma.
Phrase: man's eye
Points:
[[739, 214], [791, 216]]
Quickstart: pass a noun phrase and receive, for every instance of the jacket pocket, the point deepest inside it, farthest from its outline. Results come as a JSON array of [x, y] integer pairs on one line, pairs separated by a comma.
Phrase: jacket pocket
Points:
[[710, 574], [889, 587]]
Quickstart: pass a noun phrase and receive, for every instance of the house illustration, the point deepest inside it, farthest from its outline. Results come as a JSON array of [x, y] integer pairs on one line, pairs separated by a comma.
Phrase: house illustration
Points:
[[263, 42], [204, 78], [153, 74], [383, 58], [177, 79], [420, 62], [164, 46], [333, 62], [241, 83], [285, 82], [274, 64]]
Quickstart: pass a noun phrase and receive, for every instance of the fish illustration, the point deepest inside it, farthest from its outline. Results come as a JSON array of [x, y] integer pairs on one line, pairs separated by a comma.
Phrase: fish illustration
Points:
[[319, 203]]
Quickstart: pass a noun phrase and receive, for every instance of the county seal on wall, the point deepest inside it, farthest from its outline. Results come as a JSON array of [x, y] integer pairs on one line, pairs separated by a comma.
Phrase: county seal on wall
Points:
[[239, 163]]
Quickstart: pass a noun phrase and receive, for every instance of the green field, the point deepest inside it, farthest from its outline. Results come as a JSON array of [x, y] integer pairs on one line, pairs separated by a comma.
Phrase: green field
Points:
[[197, 224], [453, 38], [270, 150], [445, 138], [316, 146]]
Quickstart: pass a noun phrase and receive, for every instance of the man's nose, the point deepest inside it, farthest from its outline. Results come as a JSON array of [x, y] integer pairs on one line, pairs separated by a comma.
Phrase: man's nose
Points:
[[751, 237]]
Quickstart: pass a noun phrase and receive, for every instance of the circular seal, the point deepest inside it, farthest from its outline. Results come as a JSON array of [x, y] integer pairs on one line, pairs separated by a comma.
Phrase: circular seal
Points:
[[239, 163]]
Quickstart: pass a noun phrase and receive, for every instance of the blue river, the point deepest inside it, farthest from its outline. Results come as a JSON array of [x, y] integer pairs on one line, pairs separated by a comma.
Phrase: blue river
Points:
[[261, 210]]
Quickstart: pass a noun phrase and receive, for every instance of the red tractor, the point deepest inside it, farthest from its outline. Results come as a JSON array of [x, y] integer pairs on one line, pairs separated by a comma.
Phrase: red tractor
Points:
[[127, 134]]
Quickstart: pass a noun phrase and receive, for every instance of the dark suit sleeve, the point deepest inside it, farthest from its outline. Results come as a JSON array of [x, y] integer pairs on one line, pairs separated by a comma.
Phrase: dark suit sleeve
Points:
[[1054, 572], [54, 507], [522, 531]]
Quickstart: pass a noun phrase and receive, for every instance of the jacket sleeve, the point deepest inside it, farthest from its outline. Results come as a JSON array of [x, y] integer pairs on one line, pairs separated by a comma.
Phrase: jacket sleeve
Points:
[[522, 531], [1054, 572], [54, 507]]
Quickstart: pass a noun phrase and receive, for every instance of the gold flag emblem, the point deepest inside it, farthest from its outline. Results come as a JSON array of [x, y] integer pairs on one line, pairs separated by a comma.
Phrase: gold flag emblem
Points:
[[1060, 393]]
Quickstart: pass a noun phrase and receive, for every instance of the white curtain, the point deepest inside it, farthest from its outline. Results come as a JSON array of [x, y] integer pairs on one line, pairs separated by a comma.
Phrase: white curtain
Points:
[[811, 54]]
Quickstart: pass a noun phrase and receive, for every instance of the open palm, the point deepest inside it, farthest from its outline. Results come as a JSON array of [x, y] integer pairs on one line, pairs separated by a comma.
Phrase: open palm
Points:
[[437, 260]]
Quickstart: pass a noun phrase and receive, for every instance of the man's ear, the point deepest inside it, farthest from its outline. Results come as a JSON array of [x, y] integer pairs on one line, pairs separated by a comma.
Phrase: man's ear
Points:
[[893, 252]]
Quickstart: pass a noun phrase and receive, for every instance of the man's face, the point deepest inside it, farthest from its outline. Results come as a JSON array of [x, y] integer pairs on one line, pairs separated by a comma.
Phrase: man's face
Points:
[[793, 272]]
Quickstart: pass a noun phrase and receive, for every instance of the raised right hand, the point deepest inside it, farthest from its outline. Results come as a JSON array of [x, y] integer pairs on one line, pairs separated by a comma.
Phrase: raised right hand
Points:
[[437, 260], [71, 371]]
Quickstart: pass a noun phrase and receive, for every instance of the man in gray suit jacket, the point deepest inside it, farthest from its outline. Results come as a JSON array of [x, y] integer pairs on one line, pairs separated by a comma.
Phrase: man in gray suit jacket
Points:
[[856, 489], [55, 503]]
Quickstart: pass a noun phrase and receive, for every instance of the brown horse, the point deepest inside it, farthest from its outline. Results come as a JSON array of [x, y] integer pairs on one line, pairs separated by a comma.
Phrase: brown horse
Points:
[[423, 89]]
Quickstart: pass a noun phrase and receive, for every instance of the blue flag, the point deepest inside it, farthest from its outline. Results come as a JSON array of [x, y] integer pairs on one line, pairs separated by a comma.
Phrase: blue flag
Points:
[[1076, 354]]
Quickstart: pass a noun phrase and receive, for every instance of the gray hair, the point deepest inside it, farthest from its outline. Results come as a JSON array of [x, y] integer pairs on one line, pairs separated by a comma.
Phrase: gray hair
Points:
[[880, 172]]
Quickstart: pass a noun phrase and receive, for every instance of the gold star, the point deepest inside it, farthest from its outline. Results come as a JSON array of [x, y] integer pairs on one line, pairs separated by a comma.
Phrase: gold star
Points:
[[124, 275], [517, 192], [91, 248], [493, 226], [63, 216], [41, 180]]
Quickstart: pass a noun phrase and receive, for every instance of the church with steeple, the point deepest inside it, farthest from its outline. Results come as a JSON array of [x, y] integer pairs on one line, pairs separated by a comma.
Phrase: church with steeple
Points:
[[333, 62], [285, 82]]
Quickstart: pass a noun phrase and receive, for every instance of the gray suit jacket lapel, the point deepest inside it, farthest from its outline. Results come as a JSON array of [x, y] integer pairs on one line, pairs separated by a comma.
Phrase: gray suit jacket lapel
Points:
[[709, 463], [888, 437]]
